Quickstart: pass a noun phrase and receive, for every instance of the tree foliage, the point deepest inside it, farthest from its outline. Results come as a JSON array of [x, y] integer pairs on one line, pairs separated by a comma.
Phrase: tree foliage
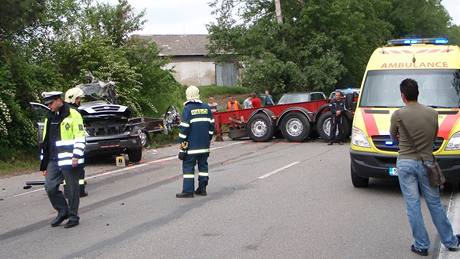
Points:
[[50, 45], [320, 45]]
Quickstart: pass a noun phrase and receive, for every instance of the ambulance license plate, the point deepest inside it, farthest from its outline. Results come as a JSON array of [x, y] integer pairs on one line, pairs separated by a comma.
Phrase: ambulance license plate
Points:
[[393, 171]]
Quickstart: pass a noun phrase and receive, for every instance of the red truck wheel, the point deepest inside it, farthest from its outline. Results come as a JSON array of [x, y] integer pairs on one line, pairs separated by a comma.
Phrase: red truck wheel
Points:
[[260, 128], [295, 127], [323, 126]]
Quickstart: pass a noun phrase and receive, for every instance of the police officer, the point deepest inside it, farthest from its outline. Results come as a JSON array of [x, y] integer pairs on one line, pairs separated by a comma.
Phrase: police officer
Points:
[[73, 97], [196, 131], [62, 152], [337, 106]]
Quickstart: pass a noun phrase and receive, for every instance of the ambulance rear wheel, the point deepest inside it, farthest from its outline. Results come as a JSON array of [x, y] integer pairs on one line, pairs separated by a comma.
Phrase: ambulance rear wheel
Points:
[[295, 127], [260, 128], [358, 181]]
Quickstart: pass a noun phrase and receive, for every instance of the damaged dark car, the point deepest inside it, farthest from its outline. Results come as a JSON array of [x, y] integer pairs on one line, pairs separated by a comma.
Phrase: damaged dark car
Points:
[[110, 127]]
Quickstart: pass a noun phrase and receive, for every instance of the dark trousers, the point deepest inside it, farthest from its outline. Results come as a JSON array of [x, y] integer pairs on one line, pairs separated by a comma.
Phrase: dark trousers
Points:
[[53, 179], [188, 170], [81, 182], [336, 124]]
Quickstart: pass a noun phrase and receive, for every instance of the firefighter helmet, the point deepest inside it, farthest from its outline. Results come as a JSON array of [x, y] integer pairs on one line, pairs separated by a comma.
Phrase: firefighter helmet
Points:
[[72, 94], [192, 93]]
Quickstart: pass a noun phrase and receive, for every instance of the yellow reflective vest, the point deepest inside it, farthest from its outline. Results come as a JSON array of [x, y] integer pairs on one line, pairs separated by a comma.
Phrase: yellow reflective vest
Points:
[[70, 142]]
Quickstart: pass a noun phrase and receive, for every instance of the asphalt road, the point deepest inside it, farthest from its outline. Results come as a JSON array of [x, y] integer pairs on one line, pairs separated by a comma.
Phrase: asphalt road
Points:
[[265, 200]]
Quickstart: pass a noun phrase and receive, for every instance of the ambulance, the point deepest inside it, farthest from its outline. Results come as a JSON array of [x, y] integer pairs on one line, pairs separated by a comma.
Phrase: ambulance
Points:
[[435, 65]]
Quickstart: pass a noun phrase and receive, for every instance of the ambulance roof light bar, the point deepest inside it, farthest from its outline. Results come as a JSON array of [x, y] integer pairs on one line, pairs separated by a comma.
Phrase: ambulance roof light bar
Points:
[[410, 41]]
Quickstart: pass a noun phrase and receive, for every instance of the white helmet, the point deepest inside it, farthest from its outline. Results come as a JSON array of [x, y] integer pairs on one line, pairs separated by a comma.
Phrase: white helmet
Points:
[[72, 94], [192, 93]]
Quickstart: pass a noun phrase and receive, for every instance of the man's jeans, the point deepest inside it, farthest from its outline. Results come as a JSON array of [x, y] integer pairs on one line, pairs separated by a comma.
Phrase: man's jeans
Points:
[[414, 181]]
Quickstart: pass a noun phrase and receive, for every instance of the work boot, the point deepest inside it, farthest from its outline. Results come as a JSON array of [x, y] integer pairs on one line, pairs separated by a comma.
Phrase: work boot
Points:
[[184, 195], [201, 191], [330, 143], [59, 219], [71, 223], [83, 192]]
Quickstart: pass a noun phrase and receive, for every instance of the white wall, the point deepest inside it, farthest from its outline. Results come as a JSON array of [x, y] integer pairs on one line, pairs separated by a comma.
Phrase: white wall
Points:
[[194, 72]]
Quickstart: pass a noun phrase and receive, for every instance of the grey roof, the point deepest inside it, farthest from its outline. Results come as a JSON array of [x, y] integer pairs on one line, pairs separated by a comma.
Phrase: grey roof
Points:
[[180, 45]]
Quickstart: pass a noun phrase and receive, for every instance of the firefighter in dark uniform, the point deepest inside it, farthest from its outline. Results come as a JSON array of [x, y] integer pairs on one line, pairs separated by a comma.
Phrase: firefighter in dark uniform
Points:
[[337, 106], [196, 131], [73, 97], [62, 157]]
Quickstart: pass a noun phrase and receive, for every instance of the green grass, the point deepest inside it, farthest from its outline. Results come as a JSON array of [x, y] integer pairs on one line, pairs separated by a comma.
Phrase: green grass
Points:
[[160, 140], [23, 164], [221, 91]]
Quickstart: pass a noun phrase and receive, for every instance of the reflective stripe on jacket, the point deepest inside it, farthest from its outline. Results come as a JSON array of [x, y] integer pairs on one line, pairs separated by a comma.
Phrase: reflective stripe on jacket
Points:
[[197, 127], [70, 142]]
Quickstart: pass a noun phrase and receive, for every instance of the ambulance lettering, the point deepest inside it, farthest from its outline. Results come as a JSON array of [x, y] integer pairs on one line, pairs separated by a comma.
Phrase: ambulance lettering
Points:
[[395, 65]]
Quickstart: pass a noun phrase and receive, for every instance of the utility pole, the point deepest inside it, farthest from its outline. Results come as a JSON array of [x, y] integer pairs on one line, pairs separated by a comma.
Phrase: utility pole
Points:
[[279, 16]]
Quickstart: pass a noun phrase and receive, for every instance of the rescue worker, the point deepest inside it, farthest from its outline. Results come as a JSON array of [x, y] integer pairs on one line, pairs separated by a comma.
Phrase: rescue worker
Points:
[[233, 104], [73, 97], [62, 157], [196, 131], [337, 106]]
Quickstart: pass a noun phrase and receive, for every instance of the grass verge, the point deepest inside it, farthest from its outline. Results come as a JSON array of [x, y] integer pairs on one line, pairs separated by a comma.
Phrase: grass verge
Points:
[[23, 164]]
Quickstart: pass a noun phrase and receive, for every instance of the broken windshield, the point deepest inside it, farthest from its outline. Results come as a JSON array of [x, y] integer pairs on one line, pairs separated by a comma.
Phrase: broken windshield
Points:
[[99, 91]]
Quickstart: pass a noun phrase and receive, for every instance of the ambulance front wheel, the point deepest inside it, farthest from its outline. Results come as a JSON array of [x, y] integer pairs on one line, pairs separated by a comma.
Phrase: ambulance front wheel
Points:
[[358, 181]]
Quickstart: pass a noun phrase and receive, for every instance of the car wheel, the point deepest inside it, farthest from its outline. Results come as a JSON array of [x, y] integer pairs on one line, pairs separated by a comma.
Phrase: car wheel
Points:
[[135, 155], [144, 137], [358, 181], [295, 127], [260, 128]]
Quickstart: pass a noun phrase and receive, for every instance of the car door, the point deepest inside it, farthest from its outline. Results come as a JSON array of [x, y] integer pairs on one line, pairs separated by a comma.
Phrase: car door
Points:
[[39, 113]]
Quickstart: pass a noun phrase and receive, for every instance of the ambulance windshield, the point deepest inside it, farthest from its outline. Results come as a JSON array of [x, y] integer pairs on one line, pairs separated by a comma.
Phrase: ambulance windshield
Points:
[[437, 88]]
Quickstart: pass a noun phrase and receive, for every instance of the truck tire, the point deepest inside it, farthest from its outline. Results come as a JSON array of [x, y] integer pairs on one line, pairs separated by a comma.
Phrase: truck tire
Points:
[[323, 126], [295, 127], [358, 181], [260, 128], [135, 155]]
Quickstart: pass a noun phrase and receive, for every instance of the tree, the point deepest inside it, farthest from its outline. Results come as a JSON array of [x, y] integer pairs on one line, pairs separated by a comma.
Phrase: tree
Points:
[[50, 45]]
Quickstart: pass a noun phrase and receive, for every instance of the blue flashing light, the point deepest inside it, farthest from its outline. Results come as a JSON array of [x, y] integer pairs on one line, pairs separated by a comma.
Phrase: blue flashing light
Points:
[[388, 143], [441, 41], [407, 42]]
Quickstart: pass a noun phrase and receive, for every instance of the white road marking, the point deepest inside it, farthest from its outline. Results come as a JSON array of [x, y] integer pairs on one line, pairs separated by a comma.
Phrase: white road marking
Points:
[[128, 168], [453, 213], [278, 170]]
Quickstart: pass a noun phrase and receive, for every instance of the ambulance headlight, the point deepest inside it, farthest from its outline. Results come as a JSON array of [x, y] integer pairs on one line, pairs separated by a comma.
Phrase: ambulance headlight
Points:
[[454, 142], [358, 138]]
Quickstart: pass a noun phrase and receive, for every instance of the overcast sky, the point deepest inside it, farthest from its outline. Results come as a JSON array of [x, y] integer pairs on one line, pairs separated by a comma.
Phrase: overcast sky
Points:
[[191, 16]]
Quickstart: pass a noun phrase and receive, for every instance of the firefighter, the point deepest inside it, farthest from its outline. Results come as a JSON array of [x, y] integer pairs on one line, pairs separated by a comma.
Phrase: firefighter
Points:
[[62, 157], [196, 131], [337, 109], [73, 97]]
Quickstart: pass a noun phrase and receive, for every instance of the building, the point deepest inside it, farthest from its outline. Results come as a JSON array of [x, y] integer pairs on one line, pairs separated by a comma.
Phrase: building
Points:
[[190, 61]]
